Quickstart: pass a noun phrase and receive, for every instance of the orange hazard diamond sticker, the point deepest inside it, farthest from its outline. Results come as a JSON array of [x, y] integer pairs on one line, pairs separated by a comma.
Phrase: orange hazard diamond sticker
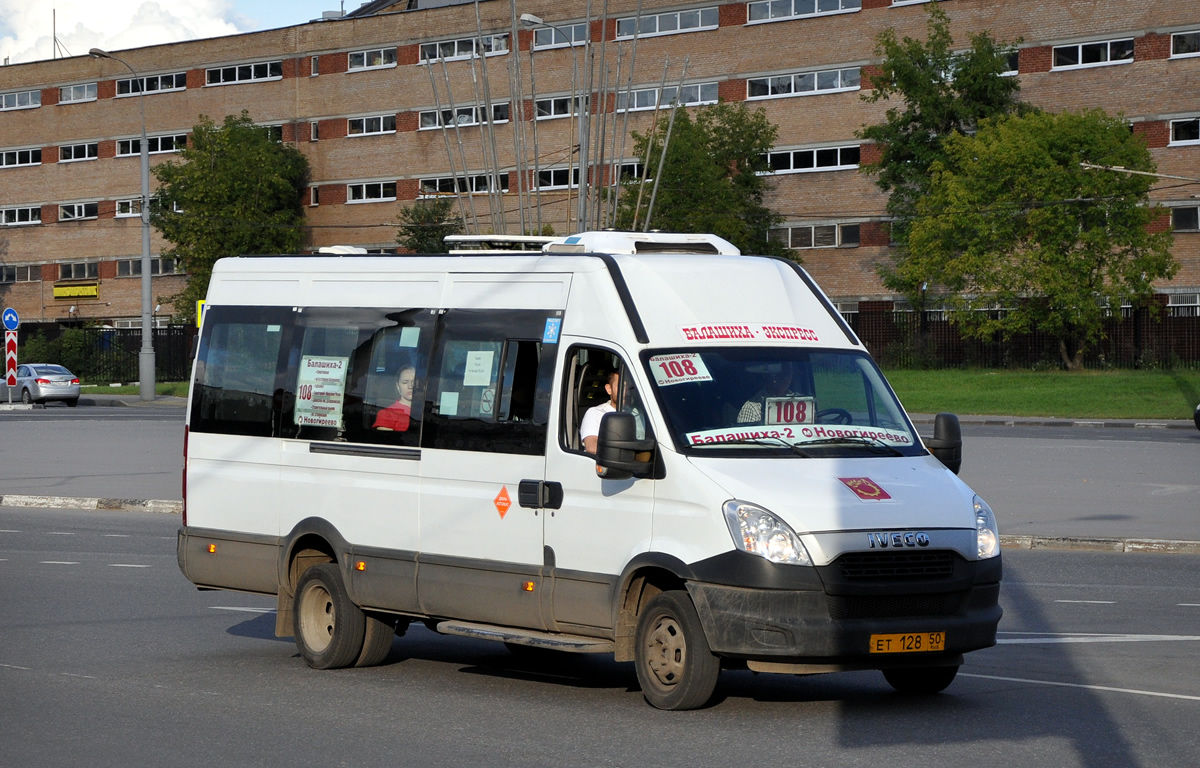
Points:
[[865, 488], [502, 501]]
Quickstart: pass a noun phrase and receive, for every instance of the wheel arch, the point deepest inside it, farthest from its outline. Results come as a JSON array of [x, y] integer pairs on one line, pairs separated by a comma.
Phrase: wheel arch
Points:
[[646, 576], [312, 541]]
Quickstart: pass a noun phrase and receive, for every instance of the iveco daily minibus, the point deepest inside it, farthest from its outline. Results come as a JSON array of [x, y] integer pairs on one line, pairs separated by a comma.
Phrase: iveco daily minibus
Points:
[[383, 439]]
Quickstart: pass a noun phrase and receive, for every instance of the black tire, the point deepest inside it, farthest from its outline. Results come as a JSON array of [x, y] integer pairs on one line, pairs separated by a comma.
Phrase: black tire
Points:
[[329, 629], [74, 401], [920, 680], [1196, 417], [675, 667], [377, 639], [25, 398]]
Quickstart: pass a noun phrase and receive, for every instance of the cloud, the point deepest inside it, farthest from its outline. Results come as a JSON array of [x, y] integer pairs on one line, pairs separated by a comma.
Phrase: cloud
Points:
[[26, 28]]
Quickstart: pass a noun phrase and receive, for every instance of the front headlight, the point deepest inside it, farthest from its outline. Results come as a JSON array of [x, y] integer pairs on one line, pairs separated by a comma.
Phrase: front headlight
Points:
[[757, 531], [987, 535]]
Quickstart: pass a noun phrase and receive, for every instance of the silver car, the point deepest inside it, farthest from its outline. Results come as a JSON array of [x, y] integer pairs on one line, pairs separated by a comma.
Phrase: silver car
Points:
[[38, 383]]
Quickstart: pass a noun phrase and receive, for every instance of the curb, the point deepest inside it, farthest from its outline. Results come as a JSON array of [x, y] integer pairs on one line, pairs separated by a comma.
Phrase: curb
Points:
[[1033, 421], [1074, 543], [164, 506], [131, 401]]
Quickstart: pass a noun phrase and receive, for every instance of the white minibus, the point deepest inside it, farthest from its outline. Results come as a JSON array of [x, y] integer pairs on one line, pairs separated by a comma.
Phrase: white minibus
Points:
[[380, 439]]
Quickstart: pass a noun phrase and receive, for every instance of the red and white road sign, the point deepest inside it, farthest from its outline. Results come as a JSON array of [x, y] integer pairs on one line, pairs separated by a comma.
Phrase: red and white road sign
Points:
[[10, 358]]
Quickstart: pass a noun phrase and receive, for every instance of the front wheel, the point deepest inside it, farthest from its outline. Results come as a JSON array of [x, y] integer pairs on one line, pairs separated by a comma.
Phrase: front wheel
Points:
[[675, 667], [329, 628], [920, 680]]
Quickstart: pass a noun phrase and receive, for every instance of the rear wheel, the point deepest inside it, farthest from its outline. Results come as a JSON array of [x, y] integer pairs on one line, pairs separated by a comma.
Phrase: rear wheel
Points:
[[675, 667], [377, 639], [25, 397], [74, 401], [920, 680], [329, 628]]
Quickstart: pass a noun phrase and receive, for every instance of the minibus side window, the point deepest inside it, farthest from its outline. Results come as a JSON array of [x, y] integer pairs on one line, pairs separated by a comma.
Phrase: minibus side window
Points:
[[343, 370], [489, 386], [234, 391]]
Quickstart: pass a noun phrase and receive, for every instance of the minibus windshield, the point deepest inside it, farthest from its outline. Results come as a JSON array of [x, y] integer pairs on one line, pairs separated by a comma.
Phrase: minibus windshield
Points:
[[793, 401]]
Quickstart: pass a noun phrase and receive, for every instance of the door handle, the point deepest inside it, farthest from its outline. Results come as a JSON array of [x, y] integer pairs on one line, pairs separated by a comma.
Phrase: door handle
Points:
[[539, 494]]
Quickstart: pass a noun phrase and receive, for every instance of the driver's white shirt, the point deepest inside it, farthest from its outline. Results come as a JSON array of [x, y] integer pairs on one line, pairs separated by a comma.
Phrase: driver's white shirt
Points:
[[590, 426]]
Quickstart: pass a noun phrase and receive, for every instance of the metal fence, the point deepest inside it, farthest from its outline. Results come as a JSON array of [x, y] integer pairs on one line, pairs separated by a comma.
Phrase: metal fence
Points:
[[103, 355], [906, 339]]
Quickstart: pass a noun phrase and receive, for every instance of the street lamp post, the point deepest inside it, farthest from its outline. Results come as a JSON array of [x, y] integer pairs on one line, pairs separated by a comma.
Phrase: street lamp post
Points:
[[146, 371]]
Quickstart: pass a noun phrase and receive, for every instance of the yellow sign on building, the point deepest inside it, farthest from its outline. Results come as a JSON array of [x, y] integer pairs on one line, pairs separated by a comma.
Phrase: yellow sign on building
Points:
[[76, 291]]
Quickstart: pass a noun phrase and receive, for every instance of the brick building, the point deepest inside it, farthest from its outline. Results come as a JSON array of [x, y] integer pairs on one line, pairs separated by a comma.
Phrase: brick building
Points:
[[388, 103]]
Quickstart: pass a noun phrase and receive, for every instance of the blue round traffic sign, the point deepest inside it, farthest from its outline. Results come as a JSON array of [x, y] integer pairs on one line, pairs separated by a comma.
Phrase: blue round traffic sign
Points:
[[11, 321]]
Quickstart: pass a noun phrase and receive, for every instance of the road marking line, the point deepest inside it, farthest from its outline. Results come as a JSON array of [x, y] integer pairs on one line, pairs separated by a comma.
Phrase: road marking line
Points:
[[56, 562], [1089, 602], [60, 533], [1080, 685], [126, 565], [238, 608], [116, 535], [14, 666], [5, 530], [1188, 605], [1052, 638], [85, 677]]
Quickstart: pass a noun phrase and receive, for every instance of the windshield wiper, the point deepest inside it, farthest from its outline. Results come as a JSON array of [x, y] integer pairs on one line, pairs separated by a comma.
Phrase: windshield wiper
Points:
[[779, 443], [866, 442]]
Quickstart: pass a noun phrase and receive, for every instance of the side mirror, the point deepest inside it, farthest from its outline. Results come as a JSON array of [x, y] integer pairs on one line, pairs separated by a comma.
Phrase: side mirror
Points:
[[617, 449], [946, 443]]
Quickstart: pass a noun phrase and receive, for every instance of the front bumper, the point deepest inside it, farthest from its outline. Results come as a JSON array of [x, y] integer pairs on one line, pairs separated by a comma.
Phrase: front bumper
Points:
[[822, 619]]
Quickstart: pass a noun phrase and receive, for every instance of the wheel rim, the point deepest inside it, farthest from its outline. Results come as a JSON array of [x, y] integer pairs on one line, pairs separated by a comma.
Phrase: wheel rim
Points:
[[25, 398], [317, 618], [666, 651]]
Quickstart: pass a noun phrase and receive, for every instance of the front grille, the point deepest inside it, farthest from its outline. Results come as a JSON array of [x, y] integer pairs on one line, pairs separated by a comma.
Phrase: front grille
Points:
[[894, 606], [905, 565]]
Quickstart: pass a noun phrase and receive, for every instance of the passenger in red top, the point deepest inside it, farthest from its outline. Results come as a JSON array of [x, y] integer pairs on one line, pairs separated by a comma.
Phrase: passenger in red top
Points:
[[396, 417]]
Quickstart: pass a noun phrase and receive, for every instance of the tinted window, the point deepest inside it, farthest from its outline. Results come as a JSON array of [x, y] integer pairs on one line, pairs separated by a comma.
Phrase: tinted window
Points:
[[489, 388], [236, 364]]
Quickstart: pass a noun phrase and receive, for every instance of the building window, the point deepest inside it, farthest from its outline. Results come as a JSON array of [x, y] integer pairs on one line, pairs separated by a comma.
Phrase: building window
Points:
[[557, 178], [462, 116], [779, 10], [696, 20], [314, 130], [804, 83], [1183, 305], [374, 192], [377, 58], [1186, 219], [464, 48], [371, 126], [16, 217], [819, 159], [155, 145], [546, 37], [80, 270], [244, 73], [133, 267], [647, 98], [14, 158], [274, 132], [129, 208], [24, 274], [314, 66], [152, 84], [630, 172], [1185, 44], [549, 109], [20, 100], [72, 152], [1093, 54], [449, 185], [314, 196], [75, 211], [1185, 131], [817, 236], [82, 92]]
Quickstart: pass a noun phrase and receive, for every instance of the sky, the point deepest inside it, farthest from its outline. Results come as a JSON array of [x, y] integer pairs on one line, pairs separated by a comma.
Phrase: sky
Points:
[[27, 26]]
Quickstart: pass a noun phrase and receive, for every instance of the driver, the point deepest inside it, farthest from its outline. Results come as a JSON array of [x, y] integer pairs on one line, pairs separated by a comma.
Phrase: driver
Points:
[[777, 382]]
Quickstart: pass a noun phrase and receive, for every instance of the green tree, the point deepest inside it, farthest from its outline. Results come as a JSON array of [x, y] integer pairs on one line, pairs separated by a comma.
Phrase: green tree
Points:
[[425, 224], [1012, 220], [712, 178], [943, 93], [234, 191]]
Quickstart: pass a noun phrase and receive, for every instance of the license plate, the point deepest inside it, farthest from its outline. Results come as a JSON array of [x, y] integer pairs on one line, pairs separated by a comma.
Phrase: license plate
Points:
[[908, 642]]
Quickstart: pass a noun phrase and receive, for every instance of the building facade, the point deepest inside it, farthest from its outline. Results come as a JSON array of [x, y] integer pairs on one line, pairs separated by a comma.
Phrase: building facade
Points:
[[390, 103]]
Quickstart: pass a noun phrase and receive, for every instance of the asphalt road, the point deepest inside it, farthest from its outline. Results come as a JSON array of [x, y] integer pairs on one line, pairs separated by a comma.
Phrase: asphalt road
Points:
[[108, 657]]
